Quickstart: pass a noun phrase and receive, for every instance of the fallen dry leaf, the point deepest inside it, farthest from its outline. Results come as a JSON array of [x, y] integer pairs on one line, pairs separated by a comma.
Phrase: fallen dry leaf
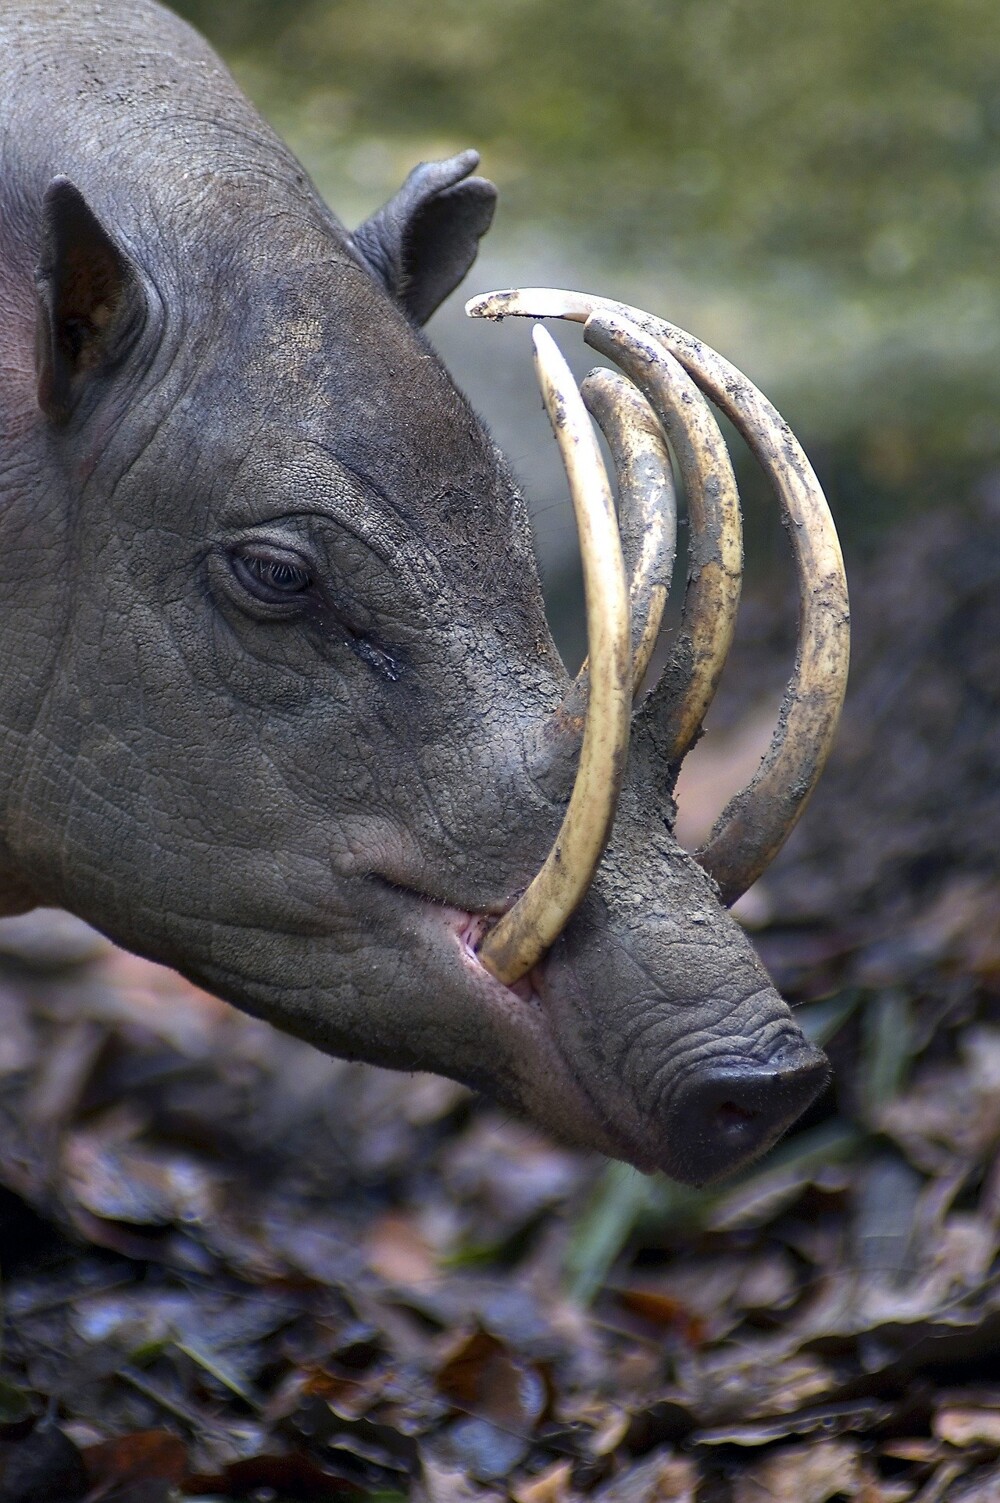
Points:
[[803, 1474], [967, 1426], [144, 1456], [550, 1486]]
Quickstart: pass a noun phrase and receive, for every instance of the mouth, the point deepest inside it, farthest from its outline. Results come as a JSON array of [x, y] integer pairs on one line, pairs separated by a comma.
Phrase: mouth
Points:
[[474, 929], [542, 1085]]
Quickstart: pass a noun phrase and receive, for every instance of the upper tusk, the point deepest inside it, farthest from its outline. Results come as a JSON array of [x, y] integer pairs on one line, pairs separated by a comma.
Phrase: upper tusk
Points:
[[647, 504], [530, 927], [758, 820], [715, 561]]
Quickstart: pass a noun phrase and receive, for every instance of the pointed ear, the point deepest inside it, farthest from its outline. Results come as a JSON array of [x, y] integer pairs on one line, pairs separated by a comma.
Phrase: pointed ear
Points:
[[422, 242], [91, 305]]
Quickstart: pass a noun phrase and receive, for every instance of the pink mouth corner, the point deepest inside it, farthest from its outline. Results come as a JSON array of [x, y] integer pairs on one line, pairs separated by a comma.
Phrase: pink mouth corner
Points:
[[470, 936]]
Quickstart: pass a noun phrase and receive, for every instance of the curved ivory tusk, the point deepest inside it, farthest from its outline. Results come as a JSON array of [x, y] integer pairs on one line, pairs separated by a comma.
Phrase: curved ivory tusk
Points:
[[647, 506], [715, 563], [757, 821], [539, 916]]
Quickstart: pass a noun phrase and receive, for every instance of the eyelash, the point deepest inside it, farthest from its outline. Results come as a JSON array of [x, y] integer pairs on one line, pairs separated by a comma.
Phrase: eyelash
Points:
[[270, 577]]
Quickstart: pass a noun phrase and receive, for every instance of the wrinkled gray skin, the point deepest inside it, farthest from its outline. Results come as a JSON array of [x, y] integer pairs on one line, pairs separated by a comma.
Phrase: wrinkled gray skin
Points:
[[208, 390]]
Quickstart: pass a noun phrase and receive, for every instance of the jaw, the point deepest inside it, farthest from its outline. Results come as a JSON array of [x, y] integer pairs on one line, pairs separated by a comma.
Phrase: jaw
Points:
[[706, 1124]]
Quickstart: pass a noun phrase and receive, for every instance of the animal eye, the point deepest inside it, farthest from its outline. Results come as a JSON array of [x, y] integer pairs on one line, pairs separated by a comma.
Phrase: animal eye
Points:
[[271, 574]]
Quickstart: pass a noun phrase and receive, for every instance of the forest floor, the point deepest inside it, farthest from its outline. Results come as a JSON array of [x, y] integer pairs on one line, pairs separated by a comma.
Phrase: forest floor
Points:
[[233, 1268]]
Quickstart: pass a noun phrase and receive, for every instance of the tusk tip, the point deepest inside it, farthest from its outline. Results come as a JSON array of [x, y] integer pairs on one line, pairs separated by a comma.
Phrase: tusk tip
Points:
[[553, 372], [543, 342], [530, 302], [491, 304]]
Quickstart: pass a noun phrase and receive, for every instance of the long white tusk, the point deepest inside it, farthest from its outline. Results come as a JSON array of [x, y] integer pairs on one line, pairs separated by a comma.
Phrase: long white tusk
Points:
[[758, 820], [531, 926]]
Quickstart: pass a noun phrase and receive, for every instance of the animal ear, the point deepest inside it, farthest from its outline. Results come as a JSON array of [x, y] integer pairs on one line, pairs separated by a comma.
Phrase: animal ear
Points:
[[91, 304], [423, 241]]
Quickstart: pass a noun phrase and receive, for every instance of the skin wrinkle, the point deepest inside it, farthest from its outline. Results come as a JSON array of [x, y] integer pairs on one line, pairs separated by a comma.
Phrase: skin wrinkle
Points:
[[684, 1063], [629, 1041], [94, 482], [277, 770], [152, 911]]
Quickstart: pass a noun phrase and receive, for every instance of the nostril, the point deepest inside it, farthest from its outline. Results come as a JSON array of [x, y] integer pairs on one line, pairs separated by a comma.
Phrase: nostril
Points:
[[733, 1118]]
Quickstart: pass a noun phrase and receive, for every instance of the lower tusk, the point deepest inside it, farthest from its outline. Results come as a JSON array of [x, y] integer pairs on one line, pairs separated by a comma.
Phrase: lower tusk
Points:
[[647, 504], [758, 820], [536, 920]]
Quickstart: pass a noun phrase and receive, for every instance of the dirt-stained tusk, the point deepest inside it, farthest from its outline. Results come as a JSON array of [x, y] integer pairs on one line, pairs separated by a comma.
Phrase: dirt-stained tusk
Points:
[[647, 503], [531, 926], [758, 820], [715, 559]]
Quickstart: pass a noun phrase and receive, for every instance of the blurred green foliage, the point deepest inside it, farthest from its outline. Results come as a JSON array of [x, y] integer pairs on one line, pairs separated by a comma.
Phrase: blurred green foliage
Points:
[[822, 180], [864, 137]]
